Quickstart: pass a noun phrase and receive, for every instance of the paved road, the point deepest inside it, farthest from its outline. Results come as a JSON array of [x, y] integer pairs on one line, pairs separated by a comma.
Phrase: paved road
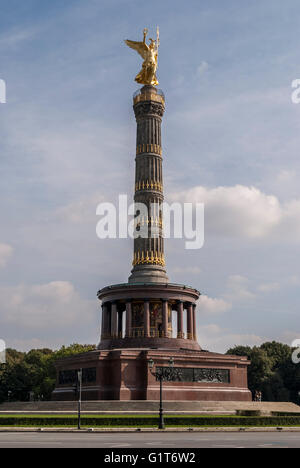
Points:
[[150, 441]]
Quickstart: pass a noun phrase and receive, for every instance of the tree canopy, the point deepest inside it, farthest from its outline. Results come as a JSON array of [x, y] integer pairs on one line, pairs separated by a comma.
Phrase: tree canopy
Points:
[[33, 372], [272, 371]]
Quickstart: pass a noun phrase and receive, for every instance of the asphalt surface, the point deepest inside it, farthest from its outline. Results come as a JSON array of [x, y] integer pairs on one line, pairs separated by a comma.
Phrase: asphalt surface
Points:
[[150, 441]]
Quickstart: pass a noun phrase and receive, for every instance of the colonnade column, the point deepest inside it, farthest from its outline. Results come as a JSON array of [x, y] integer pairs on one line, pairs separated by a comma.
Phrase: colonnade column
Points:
[[190, 332], [120, 323], [146, 318], [114, 319], [165, 317], [194, 322], [128, 319], [104, 331], [180, 333]]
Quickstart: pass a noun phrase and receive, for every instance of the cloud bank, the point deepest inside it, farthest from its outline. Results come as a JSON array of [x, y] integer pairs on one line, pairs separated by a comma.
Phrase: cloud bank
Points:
[[45, 307], [245, 212], [6, 252]]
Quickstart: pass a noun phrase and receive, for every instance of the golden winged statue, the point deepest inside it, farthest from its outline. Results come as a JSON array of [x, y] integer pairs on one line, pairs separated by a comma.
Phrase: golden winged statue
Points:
[[149, 53]]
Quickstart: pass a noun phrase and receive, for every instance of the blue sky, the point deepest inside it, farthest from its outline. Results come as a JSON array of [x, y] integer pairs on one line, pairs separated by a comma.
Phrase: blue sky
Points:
[[231, 140]]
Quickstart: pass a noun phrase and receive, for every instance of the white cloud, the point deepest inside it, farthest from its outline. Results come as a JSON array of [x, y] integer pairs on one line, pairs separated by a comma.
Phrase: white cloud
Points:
[[294, 280], [192, 270], [202, 68], [6, 252], [289, 227], [247, 212], [276, 285], [16, 37], [45, 306], [28, 344], [215, 339], [80, 211], [286, 176], [211, 306], [269, 287], [289, 336], [237, 289]]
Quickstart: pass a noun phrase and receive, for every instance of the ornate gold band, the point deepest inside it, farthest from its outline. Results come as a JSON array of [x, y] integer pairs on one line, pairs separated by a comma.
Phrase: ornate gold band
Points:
[[148, 185], [149, 148]]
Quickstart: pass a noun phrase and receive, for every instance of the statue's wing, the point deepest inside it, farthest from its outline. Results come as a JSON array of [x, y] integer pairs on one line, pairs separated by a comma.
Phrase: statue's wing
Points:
[[140, 47]]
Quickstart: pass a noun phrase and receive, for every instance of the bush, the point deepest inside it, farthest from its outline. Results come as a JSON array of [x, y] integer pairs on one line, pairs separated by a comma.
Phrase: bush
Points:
[[249, 413], [148, 421]]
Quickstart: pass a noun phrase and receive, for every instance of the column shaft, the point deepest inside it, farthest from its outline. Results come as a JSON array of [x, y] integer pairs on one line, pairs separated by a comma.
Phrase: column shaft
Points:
[[128, 319], [146, 318], [165, 314], [120, 324], [194, 322], [104, 321], [114, 320], [180, 333], [190, 334], [149, 108]]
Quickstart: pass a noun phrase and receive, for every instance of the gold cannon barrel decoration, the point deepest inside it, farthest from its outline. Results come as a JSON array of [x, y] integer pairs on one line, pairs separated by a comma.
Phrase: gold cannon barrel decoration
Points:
[[149, 258]]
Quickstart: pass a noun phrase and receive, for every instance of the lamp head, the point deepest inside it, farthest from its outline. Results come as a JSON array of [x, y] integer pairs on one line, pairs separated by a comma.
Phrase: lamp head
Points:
[[151, 363]]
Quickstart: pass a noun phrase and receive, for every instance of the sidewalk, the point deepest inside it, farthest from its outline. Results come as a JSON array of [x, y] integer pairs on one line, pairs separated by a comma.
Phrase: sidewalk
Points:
[[148, 430]]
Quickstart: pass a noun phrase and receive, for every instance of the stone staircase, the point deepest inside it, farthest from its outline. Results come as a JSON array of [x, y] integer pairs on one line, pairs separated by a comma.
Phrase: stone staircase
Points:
[[147, 407]]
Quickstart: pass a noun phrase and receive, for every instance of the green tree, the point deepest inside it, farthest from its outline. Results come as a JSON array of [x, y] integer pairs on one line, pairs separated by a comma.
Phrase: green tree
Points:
[[278, 352], [33, 372], [271, 371]]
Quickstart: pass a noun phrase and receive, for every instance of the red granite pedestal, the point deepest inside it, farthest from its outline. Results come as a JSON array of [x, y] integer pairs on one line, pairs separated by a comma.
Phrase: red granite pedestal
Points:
[[124, 374]]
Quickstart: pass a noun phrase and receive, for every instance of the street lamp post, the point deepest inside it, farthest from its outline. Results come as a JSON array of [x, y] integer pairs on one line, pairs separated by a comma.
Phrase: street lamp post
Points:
[[79, 377], [161, 374]]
